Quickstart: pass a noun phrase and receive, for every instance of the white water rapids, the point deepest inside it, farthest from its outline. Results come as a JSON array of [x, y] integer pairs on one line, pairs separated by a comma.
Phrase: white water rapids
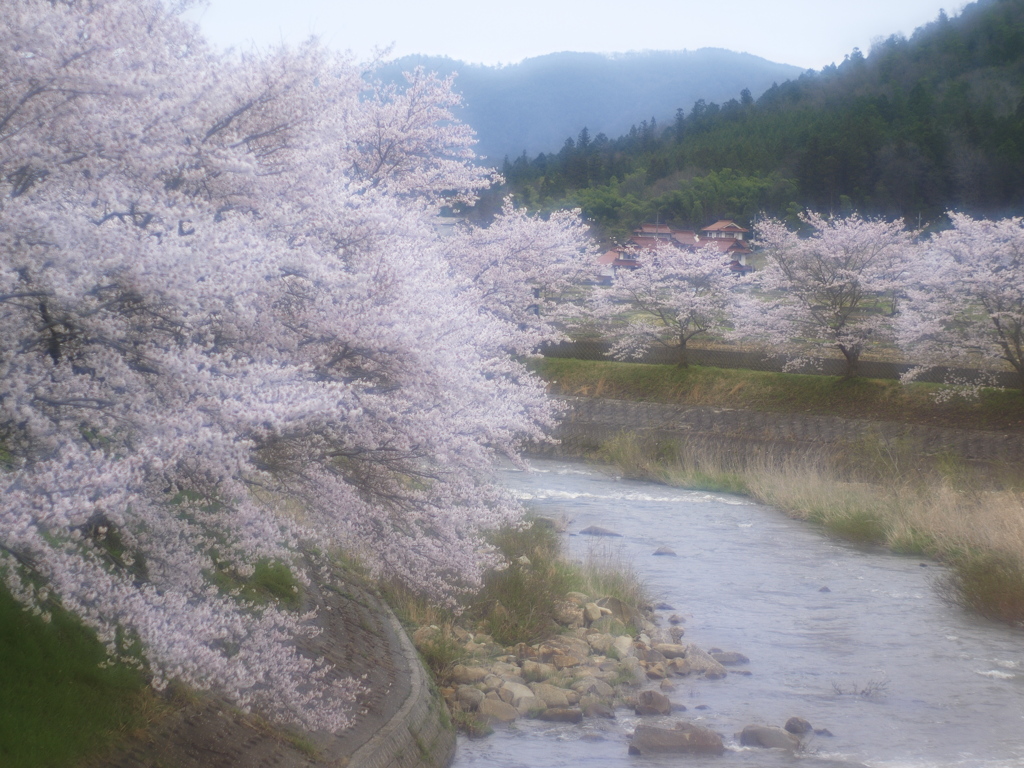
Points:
[[900, 677]]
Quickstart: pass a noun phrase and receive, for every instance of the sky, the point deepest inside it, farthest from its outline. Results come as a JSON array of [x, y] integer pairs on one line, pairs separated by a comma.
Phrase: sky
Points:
[[806, 33]]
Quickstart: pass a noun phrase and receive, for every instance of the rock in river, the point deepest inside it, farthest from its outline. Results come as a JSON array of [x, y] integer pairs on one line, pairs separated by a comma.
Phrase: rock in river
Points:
[[768, 736], [683, 739]]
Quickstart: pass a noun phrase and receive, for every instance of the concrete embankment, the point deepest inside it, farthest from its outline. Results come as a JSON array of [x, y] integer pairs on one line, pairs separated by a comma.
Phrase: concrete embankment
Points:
[[399, 722], [588, 422]]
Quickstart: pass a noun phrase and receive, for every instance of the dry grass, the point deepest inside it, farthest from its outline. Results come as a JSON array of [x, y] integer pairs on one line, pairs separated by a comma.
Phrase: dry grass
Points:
[[879, 494]]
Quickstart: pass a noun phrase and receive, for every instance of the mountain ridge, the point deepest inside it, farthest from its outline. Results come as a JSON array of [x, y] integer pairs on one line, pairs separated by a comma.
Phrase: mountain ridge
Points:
[[535, 104]]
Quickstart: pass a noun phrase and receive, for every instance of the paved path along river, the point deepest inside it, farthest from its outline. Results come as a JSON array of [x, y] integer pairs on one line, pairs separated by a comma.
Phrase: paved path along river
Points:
[[856, 641]]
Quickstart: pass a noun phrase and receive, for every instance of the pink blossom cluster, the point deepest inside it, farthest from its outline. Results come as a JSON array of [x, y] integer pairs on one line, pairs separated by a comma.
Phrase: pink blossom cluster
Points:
[[965, 305], [230, 333], [836, 287], [674, 295], [846, 284]]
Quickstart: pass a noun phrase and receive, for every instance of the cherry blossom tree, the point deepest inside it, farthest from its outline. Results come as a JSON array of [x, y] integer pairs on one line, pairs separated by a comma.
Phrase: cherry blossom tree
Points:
[[835, 289], [965, 305], [673, 296], [527, 272], [231, 335]]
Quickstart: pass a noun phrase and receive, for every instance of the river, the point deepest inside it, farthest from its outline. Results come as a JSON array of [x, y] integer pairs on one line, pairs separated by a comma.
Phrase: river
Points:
[[857, 641]]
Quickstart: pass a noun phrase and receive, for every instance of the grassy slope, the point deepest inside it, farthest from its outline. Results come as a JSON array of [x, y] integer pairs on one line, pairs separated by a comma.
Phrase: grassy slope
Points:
[[791, 393], [59, 704], [56, 702]]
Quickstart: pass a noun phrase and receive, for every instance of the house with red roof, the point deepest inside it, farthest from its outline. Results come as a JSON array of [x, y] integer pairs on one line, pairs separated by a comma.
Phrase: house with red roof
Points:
[[728, 237]]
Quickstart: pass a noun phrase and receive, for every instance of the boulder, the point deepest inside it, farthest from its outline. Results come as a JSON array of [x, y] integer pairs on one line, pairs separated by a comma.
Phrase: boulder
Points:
[[798, 726], [591, 613], [463, 675], [657, 670], [622, 611], [600, 642], [496, 710], [685, 738], [609, 625], [623, 645], [568, 614], [529, 706], [594, 707], [676, 633], [675, 618], [648, 654], [597, 530], [667, 685], [565, 661], [701, 661], [425, 636], [505, 669], [535, 671], [665, 552], [769, 736], [679, 667], [518, 692], [630, 671], [469, 697], [652, 703], [566, 645], [562, 715], [492, 682], [550, 695], [671, 650], [591, 685]]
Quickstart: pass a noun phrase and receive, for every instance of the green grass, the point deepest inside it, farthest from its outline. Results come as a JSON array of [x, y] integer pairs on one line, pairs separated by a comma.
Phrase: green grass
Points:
[[880, 399], [57, 704], [271, 582], [518, 603]]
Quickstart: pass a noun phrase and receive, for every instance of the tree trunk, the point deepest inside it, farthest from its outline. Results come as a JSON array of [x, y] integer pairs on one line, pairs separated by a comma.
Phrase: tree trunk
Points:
[[684, 361], [852, 362]]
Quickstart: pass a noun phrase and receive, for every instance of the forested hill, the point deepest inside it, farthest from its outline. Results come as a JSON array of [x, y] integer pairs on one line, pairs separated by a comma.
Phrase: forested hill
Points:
[[917, 127], [532, 106]]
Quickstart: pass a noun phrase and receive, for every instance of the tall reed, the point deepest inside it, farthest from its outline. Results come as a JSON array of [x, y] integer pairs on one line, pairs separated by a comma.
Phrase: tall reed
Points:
[[871, 492]]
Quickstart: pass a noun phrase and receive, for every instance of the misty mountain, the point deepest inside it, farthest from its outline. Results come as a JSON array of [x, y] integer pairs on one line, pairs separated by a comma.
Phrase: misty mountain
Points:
[[918, 126], [533, 106]]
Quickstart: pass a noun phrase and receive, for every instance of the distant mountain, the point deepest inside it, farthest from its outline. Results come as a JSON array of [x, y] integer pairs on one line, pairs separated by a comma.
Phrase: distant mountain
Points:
[[917, 127], [535, 105]]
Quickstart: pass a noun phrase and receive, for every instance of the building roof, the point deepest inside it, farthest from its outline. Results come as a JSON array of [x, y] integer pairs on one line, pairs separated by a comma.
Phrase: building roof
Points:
[[658, 229], [686, 237], [725, 225]]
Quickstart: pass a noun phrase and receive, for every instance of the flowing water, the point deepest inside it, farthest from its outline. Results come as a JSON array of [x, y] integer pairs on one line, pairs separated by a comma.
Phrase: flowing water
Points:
[[858, 642]]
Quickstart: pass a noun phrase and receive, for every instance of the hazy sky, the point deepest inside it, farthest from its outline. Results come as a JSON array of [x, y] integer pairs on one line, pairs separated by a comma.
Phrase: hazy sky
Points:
[[807, 33]]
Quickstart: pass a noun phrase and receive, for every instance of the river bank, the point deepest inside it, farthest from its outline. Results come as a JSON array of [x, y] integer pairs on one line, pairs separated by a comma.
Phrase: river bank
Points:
[[954, 495], [853, 639], [602, 655]]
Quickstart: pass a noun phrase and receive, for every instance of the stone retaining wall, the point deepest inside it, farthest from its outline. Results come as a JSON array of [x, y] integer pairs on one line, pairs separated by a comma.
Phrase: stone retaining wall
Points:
[[420, 734], [588, 422], [399, 720]]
